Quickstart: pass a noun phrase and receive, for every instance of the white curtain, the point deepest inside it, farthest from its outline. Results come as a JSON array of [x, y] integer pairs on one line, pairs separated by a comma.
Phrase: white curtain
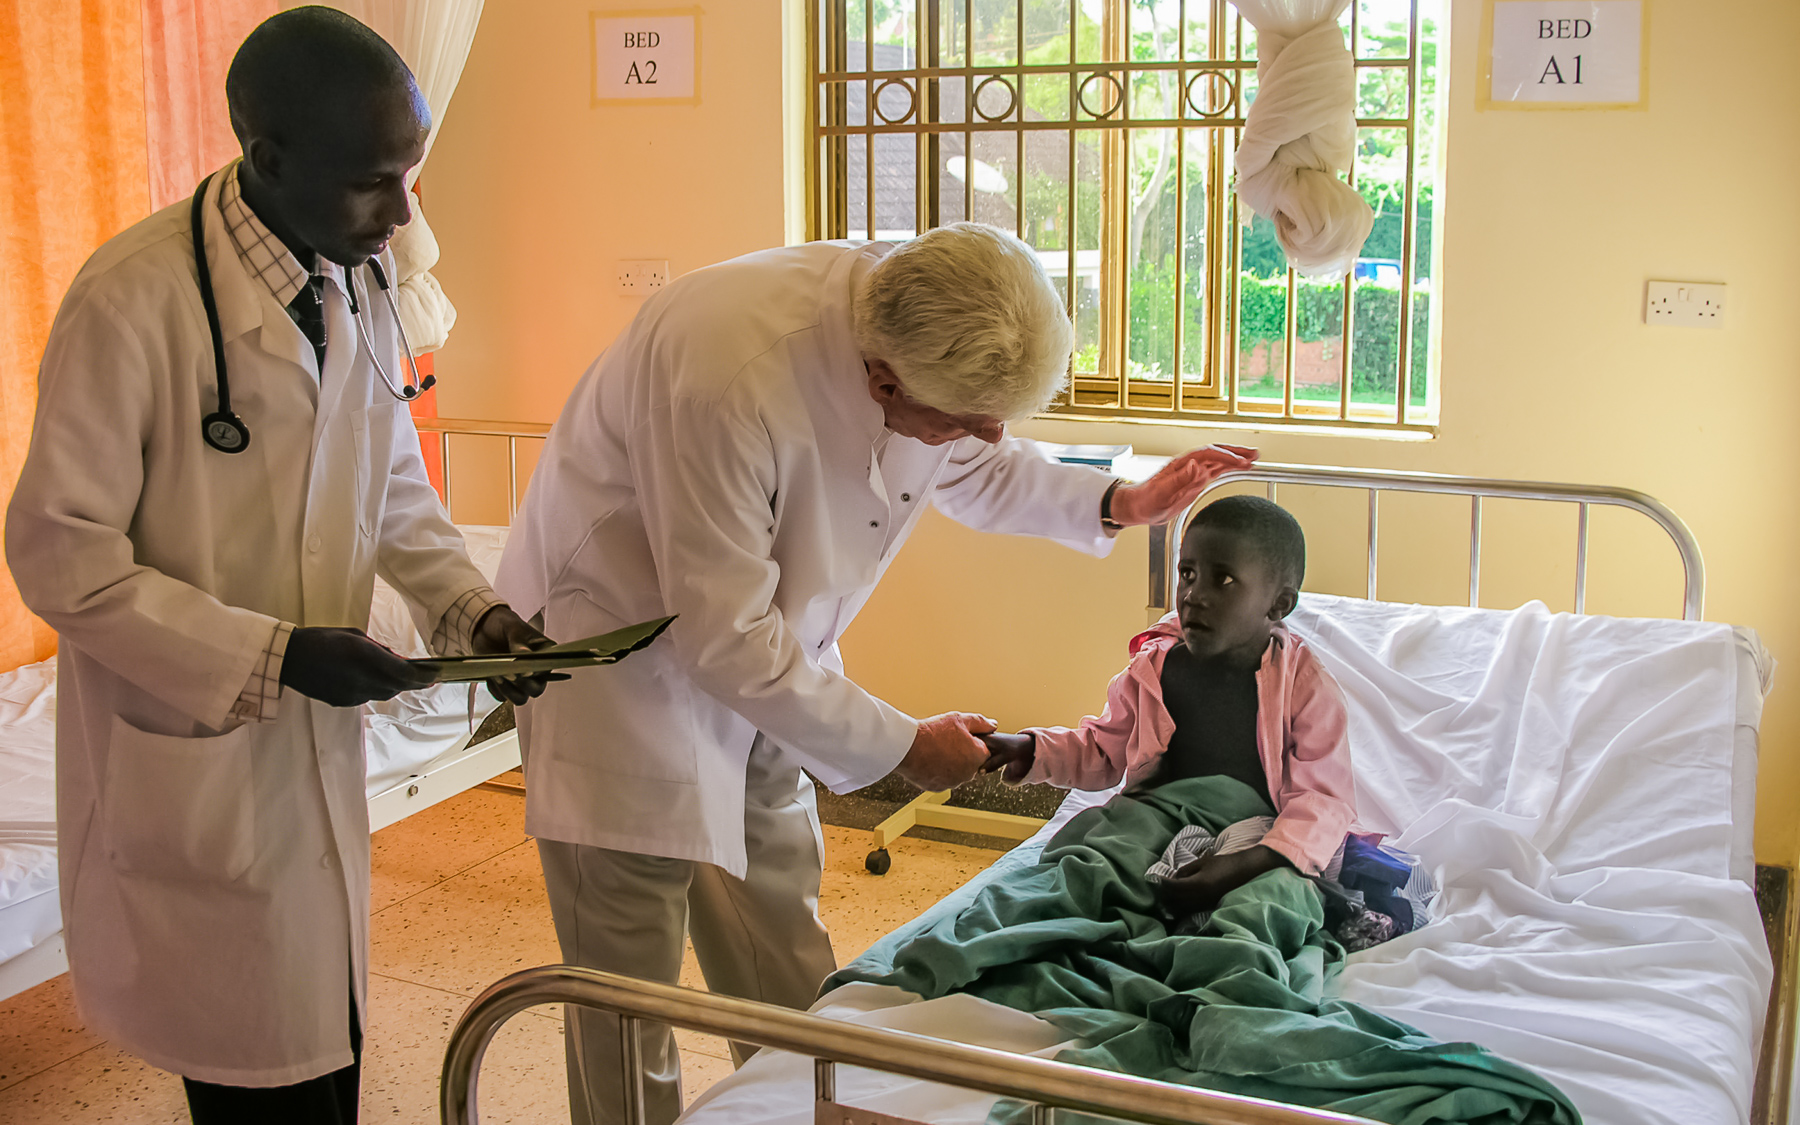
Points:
[[1301, 132], [433, 36]]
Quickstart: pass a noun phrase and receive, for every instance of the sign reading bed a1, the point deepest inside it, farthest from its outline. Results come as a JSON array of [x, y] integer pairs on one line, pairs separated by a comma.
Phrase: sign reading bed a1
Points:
[[649, 56], [1569, 52]]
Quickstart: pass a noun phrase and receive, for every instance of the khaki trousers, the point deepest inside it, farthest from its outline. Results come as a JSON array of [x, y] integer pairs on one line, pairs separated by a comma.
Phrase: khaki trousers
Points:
[[759, 937]]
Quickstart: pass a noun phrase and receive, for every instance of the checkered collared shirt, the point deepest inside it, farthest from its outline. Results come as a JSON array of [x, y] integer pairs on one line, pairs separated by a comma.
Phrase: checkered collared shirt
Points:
[[267, 258]]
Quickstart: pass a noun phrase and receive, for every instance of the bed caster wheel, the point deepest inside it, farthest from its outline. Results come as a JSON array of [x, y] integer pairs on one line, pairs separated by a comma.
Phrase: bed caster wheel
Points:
[[878, 862]]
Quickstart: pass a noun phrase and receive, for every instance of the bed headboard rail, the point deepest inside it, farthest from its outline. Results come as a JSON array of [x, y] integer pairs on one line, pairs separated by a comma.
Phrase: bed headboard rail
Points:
[[513, 432], [1165, 542]]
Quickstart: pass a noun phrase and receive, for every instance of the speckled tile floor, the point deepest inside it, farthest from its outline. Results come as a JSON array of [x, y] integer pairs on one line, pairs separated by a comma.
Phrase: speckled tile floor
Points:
[[458, 903]]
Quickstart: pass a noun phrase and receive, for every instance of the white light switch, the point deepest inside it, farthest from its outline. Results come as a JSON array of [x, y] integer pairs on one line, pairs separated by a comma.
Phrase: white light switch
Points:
[[642, 277], [1684, 304]]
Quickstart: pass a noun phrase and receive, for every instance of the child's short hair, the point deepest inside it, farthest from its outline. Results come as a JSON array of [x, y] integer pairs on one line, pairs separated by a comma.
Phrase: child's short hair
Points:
[[1272, 532]]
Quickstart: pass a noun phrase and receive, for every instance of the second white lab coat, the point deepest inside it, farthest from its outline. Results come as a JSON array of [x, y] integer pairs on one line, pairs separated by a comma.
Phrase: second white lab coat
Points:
[[719, 463], [215, 875]]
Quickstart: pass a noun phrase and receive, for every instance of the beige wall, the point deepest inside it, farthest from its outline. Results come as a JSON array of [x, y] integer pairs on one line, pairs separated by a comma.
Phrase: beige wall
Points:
[[1552, 223], [534, 193]]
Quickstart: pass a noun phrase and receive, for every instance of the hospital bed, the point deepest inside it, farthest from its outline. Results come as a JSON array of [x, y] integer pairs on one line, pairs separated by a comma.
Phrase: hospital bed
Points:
[[419, 745], [1583, 788]]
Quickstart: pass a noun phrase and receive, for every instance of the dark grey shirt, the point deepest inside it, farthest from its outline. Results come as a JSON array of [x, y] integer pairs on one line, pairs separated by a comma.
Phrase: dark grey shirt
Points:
[[1215, 724]]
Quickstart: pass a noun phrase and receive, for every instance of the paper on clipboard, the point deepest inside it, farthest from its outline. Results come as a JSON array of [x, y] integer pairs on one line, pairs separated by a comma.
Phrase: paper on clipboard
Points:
[[607, 648]]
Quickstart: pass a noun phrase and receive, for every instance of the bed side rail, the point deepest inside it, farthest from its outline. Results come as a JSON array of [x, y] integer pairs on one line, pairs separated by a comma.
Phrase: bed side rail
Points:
[[1046, 1085], [1165, 544], [513, 432]]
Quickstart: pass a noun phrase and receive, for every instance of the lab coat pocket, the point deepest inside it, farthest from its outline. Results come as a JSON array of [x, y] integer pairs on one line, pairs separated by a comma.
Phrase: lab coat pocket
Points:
[[179, 808]]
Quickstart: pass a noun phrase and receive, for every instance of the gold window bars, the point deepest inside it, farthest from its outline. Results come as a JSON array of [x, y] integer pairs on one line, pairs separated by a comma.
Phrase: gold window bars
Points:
[[1101, 132]]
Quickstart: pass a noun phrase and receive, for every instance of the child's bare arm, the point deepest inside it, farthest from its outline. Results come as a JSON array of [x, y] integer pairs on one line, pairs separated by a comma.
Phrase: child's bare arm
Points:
[[1014, 753], [1201, 884]]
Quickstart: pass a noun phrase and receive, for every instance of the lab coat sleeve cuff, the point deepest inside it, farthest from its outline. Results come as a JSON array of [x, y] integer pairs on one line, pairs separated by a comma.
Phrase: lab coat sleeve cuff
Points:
[[455, 632], [260, 701], [899, 730]]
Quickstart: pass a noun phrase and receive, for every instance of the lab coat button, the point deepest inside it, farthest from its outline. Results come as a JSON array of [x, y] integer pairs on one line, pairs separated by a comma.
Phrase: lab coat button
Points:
[[313, 544], [906, 496], [325, 860], [874, 523]]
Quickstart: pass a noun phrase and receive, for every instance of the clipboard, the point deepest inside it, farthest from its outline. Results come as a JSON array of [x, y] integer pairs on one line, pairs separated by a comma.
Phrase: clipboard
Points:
[[590, 652]]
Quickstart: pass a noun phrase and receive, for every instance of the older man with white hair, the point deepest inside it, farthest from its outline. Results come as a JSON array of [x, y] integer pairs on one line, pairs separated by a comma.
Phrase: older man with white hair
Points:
[[750, 455]]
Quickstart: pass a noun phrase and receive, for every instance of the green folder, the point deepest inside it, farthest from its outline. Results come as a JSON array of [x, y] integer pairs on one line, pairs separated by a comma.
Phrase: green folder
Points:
[[607, 648]]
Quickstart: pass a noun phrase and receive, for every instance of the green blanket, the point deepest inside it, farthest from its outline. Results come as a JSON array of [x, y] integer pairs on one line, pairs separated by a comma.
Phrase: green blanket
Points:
[[1077, 939]]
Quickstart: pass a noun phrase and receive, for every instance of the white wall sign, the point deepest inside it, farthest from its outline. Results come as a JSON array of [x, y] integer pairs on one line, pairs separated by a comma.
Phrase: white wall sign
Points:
[[1583, 52], [648, 56]]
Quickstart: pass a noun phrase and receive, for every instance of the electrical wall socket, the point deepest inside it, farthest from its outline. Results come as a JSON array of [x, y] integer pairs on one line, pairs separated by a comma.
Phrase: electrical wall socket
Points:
[[642, 277], [1684, 304]]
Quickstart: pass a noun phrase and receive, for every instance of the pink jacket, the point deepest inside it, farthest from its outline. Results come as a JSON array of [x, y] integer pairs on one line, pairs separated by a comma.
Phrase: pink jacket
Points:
[[1300, 735]]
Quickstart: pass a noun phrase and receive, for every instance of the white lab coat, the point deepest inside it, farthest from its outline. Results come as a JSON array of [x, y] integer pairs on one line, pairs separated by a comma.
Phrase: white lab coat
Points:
[[718, 462], [215, 875]]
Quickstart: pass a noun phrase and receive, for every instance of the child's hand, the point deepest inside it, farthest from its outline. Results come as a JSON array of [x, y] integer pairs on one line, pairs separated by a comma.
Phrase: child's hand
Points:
[[1201, 884], [1014, 753]]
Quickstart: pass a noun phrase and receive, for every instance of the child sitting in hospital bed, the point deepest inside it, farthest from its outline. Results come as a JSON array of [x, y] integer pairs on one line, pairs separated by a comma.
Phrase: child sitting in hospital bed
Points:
[[1218, 687]]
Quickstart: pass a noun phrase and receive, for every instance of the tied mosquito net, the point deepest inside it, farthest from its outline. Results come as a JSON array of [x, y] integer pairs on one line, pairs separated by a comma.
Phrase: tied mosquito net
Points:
[[1301, 133]]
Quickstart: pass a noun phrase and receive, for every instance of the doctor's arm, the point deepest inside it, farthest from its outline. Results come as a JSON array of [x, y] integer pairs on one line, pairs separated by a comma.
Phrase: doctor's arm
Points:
[[1016, 487], [422, 556], [706, 479]]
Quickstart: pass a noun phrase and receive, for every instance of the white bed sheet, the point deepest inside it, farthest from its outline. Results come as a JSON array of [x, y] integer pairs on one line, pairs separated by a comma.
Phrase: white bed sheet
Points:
[[29, 910], [405, 736], [1572, 782]]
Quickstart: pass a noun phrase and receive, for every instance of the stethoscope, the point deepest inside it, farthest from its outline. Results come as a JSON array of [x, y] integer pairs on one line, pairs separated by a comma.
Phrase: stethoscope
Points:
[[223, 429]]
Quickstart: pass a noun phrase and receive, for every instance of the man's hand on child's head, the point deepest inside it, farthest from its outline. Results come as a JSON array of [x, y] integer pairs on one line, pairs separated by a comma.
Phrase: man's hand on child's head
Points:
[[1165, 495], [1014, 753], [1201, 884]]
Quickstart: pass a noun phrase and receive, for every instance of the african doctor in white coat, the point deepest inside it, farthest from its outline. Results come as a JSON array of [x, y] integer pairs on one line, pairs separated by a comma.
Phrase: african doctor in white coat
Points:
[[750, 455], [213, 828]]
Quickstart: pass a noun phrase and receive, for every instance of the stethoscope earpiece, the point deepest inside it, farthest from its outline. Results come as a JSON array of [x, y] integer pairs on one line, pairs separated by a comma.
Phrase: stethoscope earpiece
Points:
[[225, 431]]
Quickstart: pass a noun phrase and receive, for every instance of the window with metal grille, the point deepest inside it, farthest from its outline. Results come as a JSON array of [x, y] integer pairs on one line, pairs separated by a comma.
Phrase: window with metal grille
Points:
[[1102, 132]]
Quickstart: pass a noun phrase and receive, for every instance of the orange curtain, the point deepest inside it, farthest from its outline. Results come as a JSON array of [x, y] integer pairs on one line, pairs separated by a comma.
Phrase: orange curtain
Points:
[[188, 45], [425, 406], [109, 109], [72, 175]]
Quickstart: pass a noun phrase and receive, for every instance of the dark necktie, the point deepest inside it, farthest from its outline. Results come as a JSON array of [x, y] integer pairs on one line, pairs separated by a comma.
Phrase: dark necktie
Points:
[[308, 311]]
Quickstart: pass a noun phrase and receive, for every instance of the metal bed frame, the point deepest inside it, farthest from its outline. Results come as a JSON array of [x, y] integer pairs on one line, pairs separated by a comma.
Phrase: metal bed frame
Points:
[[1045, 1084], [1166, 539], [513, 432]]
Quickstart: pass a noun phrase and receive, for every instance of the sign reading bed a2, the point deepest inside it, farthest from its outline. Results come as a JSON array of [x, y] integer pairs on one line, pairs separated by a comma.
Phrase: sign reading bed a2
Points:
[[1578, 53], [647, 56]]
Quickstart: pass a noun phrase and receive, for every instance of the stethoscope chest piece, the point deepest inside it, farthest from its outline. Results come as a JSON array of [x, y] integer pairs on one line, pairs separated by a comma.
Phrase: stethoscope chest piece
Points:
[[225, 432]]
